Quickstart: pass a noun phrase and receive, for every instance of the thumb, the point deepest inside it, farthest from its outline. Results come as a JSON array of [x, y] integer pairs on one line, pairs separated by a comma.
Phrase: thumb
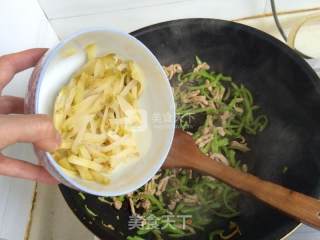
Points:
[[36, 129]]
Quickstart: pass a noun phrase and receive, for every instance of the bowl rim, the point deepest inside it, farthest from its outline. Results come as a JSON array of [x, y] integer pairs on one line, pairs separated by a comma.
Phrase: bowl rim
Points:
[[49, 56]]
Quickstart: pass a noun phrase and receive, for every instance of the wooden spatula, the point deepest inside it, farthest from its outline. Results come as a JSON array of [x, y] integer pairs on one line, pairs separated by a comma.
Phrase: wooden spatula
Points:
[[185, 154]]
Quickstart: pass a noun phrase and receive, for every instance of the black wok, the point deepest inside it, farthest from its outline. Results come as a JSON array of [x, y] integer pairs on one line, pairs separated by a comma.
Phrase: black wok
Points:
[[283, 85]]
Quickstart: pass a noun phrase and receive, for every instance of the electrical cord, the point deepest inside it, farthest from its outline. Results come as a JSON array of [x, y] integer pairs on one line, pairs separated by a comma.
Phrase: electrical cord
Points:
[[276, 20], [284, 36]]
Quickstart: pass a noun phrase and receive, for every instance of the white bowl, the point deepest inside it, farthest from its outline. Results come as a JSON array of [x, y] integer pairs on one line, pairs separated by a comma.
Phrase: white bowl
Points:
[[154, 141]]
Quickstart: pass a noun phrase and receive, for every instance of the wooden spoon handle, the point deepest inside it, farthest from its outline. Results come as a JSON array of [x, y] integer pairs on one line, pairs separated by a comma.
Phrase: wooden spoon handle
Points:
[[304, 208], [184, 153]]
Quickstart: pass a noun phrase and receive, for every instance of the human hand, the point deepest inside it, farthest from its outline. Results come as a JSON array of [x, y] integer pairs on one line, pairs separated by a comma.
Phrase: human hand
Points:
[[18, 127]]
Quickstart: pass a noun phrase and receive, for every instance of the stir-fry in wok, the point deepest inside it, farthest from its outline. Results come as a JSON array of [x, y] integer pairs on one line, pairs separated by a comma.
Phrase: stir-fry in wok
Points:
[[178, 203]]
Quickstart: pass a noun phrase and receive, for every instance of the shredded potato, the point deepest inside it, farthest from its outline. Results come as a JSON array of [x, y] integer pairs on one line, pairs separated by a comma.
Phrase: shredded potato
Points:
[[95, 114]]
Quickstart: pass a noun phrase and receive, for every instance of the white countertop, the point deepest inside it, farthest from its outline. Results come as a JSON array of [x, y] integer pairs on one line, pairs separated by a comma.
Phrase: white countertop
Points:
[[24, 25]]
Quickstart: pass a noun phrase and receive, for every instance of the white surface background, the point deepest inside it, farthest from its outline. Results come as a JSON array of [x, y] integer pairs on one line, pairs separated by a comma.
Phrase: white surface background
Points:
[[72, 15], [24, 25]]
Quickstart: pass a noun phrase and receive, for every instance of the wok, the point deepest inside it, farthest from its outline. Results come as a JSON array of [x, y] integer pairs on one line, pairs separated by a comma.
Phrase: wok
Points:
[[282, 84]]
